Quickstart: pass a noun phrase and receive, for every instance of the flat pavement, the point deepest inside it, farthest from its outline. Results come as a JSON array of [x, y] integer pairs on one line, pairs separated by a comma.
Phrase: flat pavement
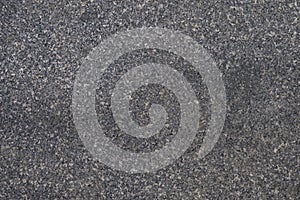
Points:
[[255, 45]]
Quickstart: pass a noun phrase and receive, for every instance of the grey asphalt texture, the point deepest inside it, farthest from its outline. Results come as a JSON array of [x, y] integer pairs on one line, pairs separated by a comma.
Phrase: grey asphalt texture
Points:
[[254, 43]]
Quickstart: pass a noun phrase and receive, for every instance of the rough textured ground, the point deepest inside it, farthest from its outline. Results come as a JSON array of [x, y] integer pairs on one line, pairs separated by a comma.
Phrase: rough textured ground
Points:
[[255, 45]]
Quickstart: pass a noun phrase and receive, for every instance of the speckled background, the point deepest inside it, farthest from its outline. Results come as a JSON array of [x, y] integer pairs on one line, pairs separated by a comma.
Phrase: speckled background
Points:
[[255, 45]]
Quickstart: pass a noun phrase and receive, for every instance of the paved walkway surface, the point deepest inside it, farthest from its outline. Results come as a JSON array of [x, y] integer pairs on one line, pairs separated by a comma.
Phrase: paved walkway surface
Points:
[[254, 44]]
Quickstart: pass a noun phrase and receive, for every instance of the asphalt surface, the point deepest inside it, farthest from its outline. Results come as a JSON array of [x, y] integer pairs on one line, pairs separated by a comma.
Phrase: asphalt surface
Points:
[[255, 44]]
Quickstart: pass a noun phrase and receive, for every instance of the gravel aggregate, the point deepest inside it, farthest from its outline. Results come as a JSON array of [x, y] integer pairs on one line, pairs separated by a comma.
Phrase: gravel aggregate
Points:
[[254, 43]]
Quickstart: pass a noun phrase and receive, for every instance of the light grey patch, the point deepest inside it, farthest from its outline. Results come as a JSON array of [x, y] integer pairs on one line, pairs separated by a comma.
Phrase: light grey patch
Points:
[[83, 102], [152, 74]]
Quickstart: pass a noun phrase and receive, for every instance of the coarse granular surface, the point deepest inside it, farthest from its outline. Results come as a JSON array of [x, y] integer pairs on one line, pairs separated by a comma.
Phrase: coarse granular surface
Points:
[[255, 44]]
